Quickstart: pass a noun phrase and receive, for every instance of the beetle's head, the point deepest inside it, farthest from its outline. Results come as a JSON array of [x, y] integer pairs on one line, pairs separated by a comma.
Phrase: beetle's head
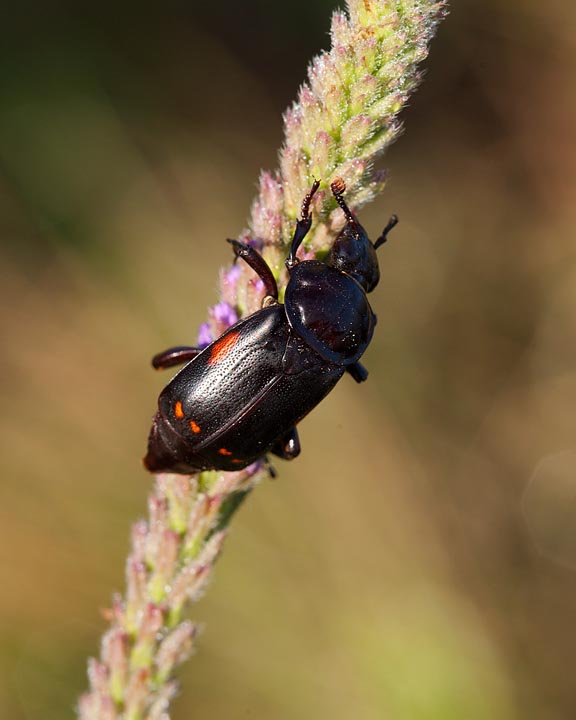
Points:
[[352, 251], [354, 254]]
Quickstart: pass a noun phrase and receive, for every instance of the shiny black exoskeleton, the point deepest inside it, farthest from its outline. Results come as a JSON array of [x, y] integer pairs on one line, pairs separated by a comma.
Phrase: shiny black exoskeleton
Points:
[[243, 395]]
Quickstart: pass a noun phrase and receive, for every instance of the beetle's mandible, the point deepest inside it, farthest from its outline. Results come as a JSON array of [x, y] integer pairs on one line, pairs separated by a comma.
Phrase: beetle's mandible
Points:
[[243, 395]]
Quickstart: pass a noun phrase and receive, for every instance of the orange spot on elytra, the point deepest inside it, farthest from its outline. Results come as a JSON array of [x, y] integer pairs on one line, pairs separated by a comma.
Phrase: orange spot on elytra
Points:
[[223, 451], [194, 426], [178, 411], [222, 347]]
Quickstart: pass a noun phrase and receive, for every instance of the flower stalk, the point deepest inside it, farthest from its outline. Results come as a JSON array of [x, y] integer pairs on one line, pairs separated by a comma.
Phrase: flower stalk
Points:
[[344, 117]]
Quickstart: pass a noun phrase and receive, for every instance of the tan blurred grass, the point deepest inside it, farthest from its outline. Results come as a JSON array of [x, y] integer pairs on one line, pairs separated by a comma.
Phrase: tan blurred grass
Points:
[[413, 563]]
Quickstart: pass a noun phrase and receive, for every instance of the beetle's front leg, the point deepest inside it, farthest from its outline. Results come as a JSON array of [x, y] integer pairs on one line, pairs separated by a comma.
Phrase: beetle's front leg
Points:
[[253, 258], [302, 226], [174, 356], [288, 446], [358, 372]]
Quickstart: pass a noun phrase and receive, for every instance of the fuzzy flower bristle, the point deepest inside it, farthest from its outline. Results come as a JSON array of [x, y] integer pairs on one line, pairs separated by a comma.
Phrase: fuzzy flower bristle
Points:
[[346, 114], [343, 119]]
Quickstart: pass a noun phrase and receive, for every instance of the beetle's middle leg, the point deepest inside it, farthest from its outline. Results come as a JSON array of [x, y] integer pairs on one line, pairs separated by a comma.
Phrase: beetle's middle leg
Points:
[[357, 371], [258, 264], [174, 356], [288, 446]]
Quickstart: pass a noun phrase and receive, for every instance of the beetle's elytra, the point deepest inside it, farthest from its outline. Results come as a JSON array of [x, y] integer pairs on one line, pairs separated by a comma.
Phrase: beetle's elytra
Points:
[[243, 395]]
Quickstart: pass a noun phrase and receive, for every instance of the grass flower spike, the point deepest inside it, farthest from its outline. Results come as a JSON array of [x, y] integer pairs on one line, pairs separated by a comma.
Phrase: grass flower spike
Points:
[[345, 116]]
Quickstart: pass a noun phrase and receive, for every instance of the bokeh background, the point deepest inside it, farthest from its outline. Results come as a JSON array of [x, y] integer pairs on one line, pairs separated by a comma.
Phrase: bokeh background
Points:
[[418, 561]]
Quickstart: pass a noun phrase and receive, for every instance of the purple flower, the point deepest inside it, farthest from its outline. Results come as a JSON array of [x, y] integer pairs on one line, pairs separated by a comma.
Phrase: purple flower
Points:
[[223, 315], [204, 335]]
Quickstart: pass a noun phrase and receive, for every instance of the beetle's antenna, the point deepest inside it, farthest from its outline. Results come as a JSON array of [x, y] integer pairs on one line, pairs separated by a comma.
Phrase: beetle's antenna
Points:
[[382, 239], [338, 188]]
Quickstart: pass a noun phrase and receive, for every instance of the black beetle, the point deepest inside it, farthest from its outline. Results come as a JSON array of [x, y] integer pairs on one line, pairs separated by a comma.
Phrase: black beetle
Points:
[[243, 395]]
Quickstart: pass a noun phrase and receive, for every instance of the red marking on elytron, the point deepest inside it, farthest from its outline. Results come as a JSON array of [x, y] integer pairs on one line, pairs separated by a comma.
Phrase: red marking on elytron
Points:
[[223, 451], [222, 347], [194, 426], [178, 411], [236, 461]]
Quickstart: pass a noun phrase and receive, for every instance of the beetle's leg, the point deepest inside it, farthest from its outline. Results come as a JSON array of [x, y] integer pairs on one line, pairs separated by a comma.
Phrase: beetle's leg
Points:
[[288, 446], [271, 469], [382, 239], [174, 356], [358, 372], [258, 264], [302, 226]]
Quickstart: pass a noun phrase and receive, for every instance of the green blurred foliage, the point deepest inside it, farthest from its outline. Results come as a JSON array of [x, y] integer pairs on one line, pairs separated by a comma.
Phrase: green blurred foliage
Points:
[[417, 562]]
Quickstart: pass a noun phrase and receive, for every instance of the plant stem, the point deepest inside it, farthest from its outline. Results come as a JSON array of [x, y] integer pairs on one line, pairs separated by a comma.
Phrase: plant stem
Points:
[[344, 118]]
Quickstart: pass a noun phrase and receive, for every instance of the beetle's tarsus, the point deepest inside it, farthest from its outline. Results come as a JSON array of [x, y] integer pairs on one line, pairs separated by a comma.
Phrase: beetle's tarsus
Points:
[[271, 469], [305, 213], [358, 372]]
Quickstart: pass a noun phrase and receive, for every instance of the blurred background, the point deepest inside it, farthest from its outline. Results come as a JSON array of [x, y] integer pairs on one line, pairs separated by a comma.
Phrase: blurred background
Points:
[[418, 561]]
